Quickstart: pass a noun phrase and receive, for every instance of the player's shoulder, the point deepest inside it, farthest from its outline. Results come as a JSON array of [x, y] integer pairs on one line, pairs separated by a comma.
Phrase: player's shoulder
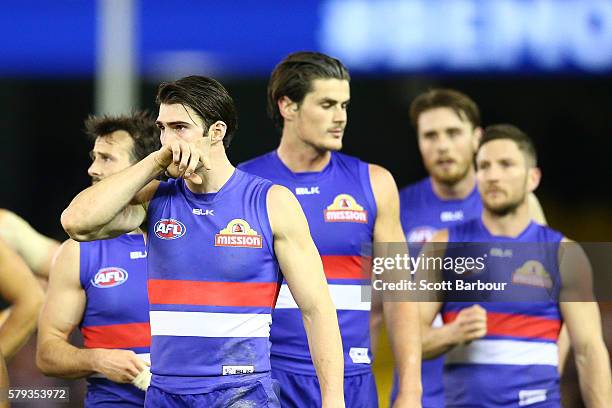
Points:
[[414, 189], [256, 163]]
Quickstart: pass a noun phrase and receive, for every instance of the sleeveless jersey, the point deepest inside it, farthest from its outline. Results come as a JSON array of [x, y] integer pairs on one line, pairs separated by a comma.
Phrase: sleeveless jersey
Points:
[[213, 281], [340, 208], [515, 364], [422, 213], [113, 276]]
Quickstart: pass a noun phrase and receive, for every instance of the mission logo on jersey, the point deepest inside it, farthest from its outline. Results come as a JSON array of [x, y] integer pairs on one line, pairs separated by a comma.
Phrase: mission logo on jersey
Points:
[[169, 228], [109, 277], [238, 233], [532, 273], [344, 208]]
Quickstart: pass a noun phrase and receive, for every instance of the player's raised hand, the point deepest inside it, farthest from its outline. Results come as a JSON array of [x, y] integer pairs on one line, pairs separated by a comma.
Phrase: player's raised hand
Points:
[[470, 324], [120, 366], [181, 159]]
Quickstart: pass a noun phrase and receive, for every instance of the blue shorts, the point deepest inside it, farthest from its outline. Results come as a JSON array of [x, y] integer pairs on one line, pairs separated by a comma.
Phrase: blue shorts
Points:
[[303, 391], [104, 399], [256, 394]]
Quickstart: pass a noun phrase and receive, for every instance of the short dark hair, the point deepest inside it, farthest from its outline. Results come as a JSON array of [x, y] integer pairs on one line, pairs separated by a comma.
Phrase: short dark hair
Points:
[[510, 132], [293, 78], [463, 106], [207, 97], [140, 125]]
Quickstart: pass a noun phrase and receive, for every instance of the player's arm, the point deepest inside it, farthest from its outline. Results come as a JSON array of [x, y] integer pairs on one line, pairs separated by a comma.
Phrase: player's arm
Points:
[[4, 383], [302, 267], [19, 288], [36, 249], [115, 205], [401, 318], [470, 323], [563, 346], [535, 209], [61, 313], [376, 320], [583, 321]]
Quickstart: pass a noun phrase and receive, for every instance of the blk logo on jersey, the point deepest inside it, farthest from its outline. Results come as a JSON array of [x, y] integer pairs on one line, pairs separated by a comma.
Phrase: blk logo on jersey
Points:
[[344, 208], [307, 190], [169, 228], [200, 211], [238, 233], [532, 273], [109, 277], [450, 216]]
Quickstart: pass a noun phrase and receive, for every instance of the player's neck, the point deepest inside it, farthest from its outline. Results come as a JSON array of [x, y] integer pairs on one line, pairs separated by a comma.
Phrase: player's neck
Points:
[[508, 225], [216, 177], [455, 191], [300, 157]]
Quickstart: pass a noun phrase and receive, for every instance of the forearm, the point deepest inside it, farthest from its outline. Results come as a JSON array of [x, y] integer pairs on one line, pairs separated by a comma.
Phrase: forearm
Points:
[[593, 366], [98, 205], [325, 344], [403, 322], [58, 358], [437, 341], [19, 326]]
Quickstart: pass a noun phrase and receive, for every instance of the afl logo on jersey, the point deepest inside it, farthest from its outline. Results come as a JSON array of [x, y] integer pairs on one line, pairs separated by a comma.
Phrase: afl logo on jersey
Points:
[[238, 233], [420, 234], [109, 277], [169, 228], [344, 208]]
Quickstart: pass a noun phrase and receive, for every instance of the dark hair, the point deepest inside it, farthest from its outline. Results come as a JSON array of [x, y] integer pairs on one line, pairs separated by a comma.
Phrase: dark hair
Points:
[[139, 125], [207, 97], [293, 77], [510, 132], [463, 106]]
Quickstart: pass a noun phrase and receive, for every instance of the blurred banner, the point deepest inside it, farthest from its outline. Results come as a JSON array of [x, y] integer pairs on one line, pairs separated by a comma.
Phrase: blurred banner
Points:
[[247, 37]]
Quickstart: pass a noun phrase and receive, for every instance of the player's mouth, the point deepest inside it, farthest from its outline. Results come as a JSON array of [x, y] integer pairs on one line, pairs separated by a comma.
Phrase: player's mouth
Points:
[[336, 132], [445, 163]]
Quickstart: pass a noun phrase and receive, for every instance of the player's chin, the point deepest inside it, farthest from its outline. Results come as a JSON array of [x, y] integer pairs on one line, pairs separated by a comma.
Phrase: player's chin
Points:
[[333, 145]]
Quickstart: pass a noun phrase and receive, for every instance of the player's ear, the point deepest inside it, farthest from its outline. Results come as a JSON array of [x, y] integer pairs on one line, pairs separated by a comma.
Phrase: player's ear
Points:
[[534, 175], [287, 108], [217, 131], [477, 137]]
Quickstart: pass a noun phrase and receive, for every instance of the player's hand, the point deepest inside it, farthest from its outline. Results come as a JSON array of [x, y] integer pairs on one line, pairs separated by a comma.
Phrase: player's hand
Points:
[[470, 324], [120, 366], [182, 159], [404, 400]]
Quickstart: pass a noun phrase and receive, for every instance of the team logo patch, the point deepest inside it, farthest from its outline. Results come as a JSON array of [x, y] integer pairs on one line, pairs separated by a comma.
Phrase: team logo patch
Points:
[[532, 273], [169, 228], [344, 208], [238, 233], [109, 277]]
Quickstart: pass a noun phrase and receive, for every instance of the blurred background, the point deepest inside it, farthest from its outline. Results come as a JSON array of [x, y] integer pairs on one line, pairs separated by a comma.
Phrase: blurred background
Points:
[[543, 65]]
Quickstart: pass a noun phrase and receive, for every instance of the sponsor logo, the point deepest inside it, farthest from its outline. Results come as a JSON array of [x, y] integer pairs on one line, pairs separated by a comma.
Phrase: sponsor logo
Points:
[[238, 233], [532, 273], [199, 211], [528, 397], [307, 190], [501, 253], [359, 355], [109, 277], [169, 228], [450, 216], [233, 370], [138, 254], [421, 234], [344, 208]]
